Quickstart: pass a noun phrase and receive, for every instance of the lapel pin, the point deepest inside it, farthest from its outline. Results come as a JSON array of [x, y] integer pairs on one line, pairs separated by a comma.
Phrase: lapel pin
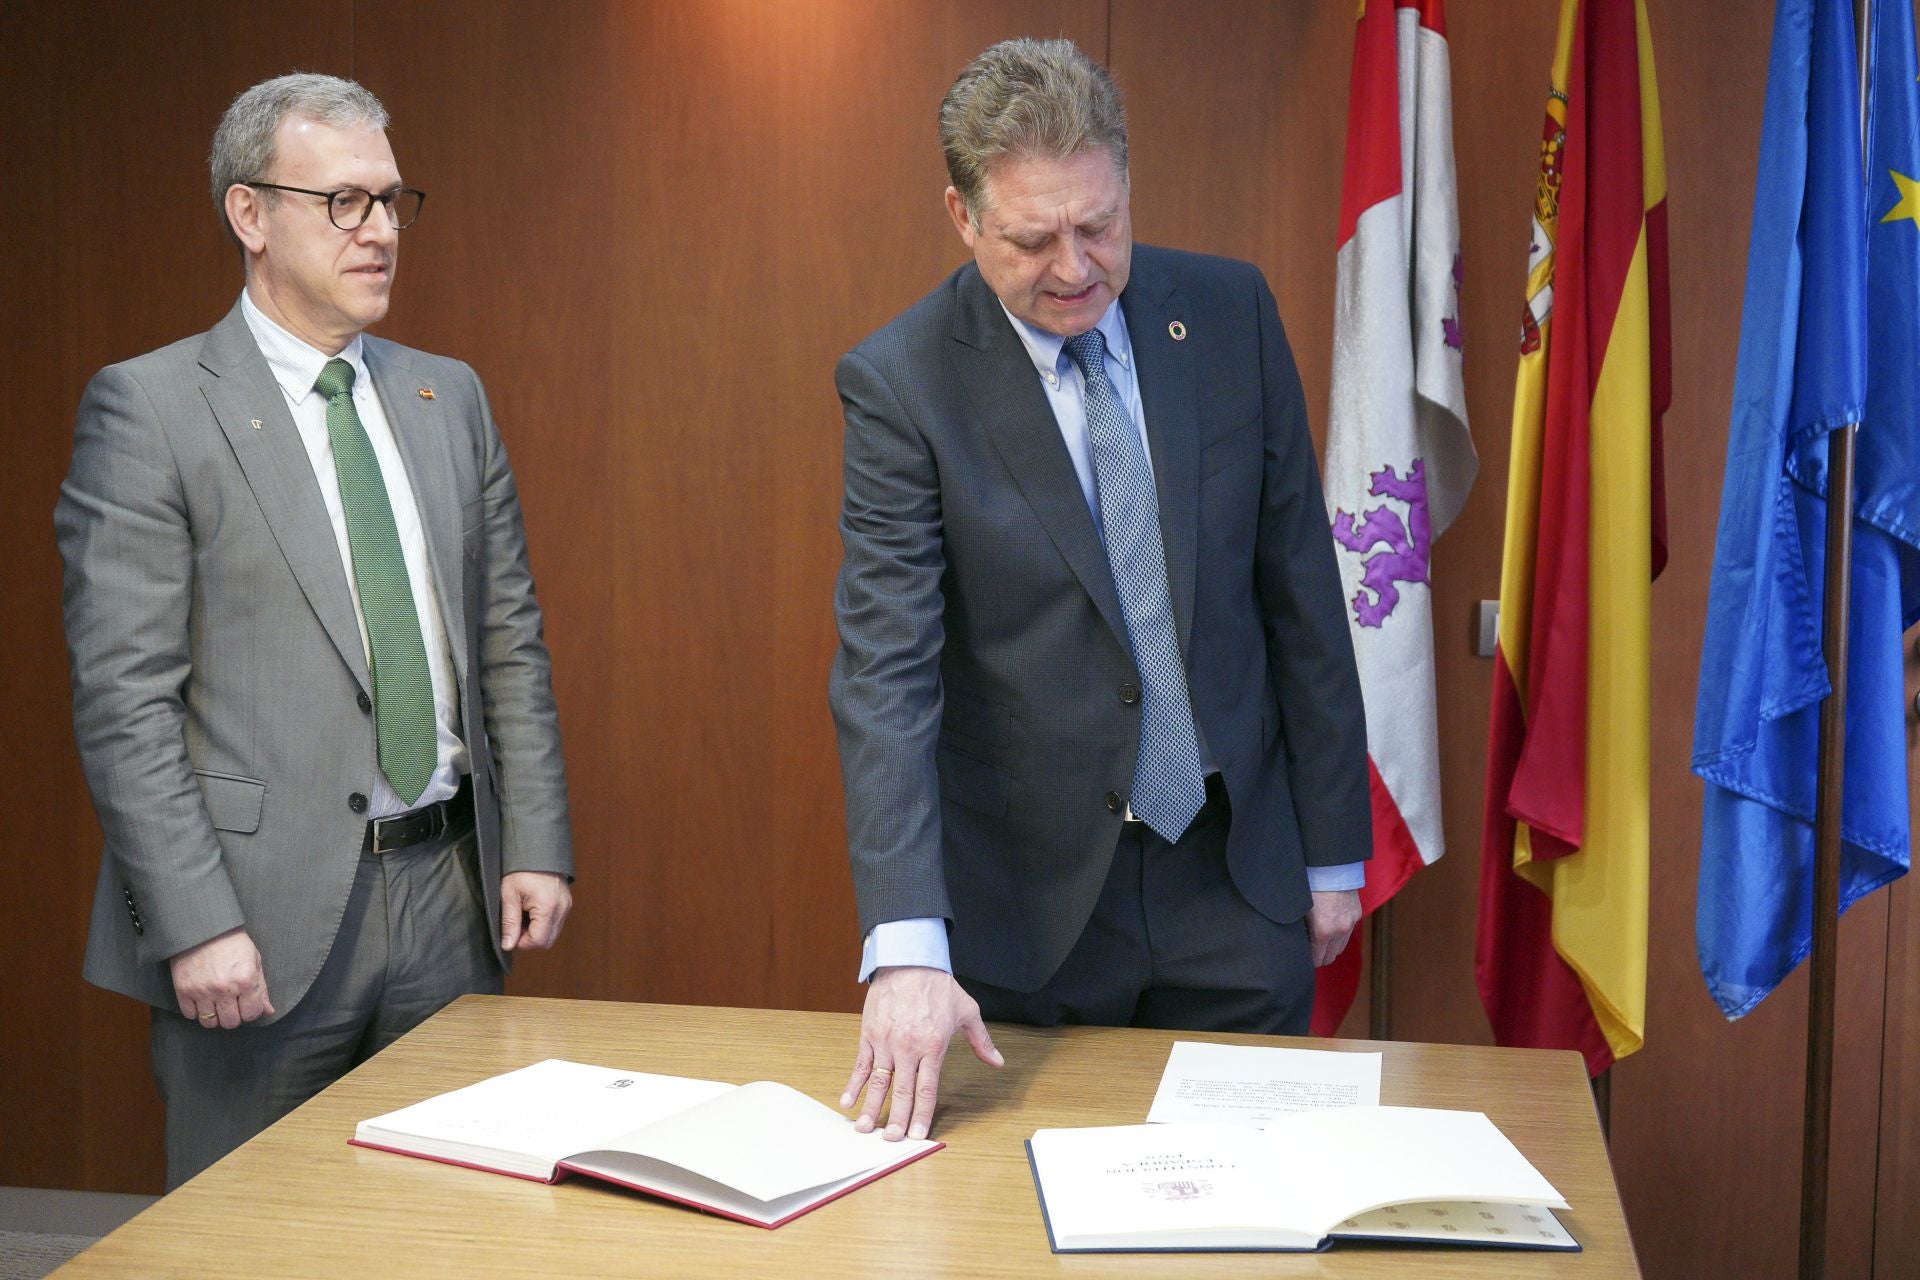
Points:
[[256, 424], [426, 393], [1178, 330]]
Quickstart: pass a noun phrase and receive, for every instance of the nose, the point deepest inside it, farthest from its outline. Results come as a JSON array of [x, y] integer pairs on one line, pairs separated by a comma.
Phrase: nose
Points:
[[379, 228], [1070, 263]]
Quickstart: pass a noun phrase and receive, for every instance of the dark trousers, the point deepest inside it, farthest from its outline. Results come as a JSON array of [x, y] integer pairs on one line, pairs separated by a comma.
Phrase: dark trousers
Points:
[[414, 936], [1172, 944]]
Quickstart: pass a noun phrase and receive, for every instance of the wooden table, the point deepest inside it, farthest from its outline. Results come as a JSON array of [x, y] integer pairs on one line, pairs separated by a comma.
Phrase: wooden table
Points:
[[297, 1200]]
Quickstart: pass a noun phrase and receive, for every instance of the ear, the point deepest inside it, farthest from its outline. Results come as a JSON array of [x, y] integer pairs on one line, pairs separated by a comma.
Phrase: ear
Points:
[[962, 220], [246, 214]]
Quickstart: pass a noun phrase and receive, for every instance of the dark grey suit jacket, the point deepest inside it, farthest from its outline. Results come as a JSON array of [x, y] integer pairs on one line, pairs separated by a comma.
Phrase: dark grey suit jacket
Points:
[[986, 742], [219, 684]]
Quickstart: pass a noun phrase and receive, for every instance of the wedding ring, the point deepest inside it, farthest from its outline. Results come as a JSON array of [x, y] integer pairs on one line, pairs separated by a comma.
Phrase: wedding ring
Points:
[[209, 1017]]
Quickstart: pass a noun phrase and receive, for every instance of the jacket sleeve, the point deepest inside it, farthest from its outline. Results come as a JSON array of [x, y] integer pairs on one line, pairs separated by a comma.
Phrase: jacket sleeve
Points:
[[884, 687], [127, 546], [1309, 649], [516, 676]]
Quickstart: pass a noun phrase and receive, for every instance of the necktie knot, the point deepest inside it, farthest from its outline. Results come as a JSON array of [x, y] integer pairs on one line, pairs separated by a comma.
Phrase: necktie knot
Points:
[[335, 380], [1089, 352]]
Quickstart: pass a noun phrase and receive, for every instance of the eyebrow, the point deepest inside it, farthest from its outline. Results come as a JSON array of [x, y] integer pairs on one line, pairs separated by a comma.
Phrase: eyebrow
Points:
[[1106, 215]]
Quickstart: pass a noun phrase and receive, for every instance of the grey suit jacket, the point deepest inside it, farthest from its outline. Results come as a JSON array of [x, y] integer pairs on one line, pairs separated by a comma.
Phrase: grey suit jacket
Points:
[[987, 738], [220, 690]]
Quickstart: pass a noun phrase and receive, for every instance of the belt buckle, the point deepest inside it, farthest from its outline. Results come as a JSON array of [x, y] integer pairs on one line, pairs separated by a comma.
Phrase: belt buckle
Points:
[[379, 832]]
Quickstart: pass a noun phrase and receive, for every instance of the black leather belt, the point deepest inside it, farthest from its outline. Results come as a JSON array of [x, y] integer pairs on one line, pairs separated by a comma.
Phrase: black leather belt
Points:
[[417, 826]]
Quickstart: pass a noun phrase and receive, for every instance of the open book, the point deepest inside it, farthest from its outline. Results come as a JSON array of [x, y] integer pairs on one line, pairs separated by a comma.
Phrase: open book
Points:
[[1307, 1178], [761, 1153]]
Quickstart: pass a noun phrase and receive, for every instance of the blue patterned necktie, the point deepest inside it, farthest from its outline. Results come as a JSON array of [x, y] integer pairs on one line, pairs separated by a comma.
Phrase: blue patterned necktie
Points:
[[1168, 785]]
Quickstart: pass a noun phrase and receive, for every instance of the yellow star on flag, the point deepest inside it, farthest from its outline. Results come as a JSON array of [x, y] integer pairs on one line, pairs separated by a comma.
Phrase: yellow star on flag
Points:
[[1909, 202]]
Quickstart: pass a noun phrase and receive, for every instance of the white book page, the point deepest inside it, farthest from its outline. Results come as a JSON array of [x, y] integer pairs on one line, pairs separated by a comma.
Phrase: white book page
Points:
[[531, 1119], [765, 1139], [674, 1183], [1461, 1222], [1337, 1164], [1243, 1084], [1166, 1185]]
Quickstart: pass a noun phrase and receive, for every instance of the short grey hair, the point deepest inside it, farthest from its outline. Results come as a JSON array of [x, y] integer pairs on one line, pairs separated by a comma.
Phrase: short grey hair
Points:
[[1026, 97], [243, 145]]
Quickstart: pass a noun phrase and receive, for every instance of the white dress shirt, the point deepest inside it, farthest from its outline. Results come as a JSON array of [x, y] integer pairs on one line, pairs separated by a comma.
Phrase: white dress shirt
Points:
[[923, 941], [296, 366]]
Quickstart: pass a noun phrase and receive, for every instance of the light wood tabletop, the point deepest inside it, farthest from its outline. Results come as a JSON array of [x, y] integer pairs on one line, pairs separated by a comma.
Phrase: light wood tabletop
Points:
[[299, 1201]]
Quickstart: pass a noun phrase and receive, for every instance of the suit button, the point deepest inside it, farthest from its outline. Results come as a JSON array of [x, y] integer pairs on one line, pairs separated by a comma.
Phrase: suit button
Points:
[[366, 703], [1114, 803], [1129, 692], [357, 802]]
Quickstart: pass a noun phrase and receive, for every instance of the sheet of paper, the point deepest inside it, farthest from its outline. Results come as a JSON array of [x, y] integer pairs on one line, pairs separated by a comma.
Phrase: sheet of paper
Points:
[[1243, 1084]]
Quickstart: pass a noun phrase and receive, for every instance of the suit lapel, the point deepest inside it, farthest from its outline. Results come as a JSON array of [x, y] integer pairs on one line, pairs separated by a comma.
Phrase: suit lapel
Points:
[[252, 412], [420, 432], [999, 378], [1169, 396]]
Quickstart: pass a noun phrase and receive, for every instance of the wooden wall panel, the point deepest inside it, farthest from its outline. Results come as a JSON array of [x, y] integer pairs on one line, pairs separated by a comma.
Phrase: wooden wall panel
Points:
[[1896, 1234], [113, 250], [653, 229]]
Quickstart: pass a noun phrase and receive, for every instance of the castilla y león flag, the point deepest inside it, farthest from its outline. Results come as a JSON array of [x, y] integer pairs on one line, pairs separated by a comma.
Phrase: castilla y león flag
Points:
[[1399, 460], [1562, 950]]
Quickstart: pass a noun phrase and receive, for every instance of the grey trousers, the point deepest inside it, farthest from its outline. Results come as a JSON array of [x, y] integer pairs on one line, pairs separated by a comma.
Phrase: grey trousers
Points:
[[414, 937]]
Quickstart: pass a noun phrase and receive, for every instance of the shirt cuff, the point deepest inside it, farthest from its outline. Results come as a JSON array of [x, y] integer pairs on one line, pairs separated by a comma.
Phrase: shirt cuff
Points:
[[906, 942], [1337, 879]]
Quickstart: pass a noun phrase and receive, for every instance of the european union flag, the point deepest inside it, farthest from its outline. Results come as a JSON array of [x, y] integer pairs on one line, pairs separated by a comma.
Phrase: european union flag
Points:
[[1829, 334]]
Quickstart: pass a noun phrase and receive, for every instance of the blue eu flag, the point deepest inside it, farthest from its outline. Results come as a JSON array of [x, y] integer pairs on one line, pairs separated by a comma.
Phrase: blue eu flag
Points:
[[1829, 334]]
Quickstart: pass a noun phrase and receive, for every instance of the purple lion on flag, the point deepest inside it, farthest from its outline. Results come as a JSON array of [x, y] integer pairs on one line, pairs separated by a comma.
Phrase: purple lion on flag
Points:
[[1404, 558]]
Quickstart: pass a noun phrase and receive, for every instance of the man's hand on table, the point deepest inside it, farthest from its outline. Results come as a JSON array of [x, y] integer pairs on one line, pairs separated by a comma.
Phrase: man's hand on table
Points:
[[910, 1016]]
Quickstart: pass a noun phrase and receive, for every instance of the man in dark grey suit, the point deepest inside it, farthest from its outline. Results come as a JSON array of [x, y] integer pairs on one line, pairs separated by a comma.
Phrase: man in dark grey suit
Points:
[[310, 691], [1100, 728]]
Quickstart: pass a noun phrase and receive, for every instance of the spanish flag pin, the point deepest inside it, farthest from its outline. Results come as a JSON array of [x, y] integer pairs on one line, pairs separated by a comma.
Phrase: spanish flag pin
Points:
[[426, 393], [1178, 330]]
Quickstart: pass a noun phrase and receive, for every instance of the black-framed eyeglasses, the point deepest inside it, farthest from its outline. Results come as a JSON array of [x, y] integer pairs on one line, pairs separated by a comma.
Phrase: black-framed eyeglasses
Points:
[[350, 207]]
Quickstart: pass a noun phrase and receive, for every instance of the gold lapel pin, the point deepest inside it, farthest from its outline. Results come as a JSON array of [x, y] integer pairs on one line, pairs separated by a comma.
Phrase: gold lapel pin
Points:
[[256, 424], [1178, 330], [426, 393]]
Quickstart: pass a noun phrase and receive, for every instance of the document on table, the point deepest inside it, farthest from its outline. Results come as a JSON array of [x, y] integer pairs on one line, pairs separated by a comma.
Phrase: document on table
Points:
[[1242, 1084]]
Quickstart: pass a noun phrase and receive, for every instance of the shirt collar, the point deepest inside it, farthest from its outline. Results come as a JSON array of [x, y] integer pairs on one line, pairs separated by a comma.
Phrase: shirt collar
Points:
[[295, 363], [1048, 350]]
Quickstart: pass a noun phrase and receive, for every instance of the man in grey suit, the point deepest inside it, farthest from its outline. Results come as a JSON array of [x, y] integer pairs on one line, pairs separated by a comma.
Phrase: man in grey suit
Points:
[[1100, 728], [310, 692]]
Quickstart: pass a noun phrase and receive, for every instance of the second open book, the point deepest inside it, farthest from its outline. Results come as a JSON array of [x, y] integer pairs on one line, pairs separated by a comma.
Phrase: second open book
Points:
[[761, 1153]]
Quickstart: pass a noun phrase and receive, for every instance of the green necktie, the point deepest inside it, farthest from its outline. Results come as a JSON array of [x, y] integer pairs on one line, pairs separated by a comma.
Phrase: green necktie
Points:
[[402, 687]]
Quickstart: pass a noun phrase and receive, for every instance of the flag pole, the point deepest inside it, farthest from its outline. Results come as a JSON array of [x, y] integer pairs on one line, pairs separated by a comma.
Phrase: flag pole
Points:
[[1380, 973], [1818, 1123]]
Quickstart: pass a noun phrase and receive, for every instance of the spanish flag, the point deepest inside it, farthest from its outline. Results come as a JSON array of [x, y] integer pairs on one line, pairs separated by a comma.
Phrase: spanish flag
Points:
[[1562, 950]]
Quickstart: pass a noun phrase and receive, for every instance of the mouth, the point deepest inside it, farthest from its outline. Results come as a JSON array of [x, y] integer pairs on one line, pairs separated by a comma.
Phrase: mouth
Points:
[[375, 270], [1073, 299]]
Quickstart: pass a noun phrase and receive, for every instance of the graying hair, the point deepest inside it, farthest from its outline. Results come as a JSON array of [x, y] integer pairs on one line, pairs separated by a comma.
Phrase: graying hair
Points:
[[243, 147], [1025, 97]]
